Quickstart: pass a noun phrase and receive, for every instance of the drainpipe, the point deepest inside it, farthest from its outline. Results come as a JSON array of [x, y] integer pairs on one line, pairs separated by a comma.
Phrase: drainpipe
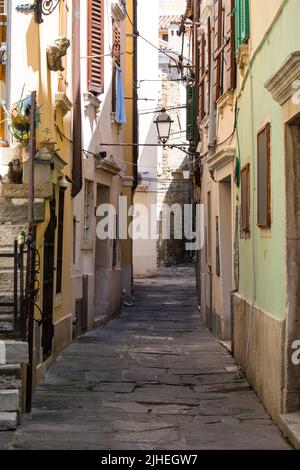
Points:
[[135, 97], [8, 64]]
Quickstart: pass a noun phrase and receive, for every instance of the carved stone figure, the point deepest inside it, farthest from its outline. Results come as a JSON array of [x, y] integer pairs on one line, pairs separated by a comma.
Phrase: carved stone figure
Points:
[[15, 172], [55, 52]]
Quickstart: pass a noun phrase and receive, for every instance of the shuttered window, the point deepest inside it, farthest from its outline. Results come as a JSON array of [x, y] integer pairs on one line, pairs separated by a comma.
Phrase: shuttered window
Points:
[[95, 46], [245, 199], [117, 42], [60, 241], [242, 23], [202, 78], [190, 112], [224, 57], [264, 178], [116, 29]]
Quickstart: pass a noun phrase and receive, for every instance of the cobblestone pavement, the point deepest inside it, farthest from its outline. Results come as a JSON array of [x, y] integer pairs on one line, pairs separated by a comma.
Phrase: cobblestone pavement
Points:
[[154, 378]]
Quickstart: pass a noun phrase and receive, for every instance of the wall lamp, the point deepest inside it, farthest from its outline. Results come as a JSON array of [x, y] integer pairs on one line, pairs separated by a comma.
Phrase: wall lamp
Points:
[[38, 8]]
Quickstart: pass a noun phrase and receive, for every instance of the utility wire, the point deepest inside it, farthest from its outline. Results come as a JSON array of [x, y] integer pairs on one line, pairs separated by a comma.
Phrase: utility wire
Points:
[[138, 35]]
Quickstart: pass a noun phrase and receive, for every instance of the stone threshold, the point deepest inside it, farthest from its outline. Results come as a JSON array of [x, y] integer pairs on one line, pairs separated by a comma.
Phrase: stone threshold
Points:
[[290, 426]]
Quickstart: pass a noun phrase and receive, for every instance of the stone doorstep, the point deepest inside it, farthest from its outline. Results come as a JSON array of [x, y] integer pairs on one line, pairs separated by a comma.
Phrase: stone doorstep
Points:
[[9, 400], [8, 421], [290, 426]]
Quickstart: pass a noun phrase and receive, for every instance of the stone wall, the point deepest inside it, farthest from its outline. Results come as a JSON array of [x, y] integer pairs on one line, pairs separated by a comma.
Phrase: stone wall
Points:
[[258, 348], [12, 355]]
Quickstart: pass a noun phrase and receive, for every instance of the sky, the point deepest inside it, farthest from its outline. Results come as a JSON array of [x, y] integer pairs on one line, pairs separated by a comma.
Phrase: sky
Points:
[[172, 7]]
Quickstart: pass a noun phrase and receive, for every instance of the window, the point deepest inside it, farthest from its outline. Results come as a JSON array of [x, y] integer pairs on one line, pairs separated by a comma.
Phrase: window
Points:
[[116, 29], [190, 112], [165, 37], [88, 210], [218, 261], [245, 198], [242, 23], [74, 240], [60, 240], [264, 178], [96, 46], [208, 235], [224, 57], [117, 42]]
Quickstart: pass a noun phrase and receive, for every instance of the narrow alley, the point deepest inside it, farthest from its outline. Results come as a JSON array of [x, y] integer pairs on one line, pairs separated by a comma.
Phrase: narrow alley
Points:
[[153, 378]]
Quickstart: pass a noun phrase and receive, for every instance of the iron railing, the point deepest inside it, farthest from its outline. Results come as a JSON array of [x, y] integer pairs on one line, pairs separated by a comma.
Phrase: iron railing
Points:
[[12, 309]]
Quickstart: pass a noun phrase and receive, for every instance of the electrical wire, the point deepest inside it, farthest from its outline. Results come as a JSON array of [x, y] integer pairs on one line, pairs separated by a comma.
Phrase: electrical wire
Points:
[[138, 35]]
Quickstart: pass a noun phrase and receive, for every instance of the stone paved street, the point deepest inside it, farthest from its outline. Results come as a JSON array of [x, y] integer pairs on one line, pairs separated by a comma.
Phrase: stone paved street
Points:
[[153, 378]]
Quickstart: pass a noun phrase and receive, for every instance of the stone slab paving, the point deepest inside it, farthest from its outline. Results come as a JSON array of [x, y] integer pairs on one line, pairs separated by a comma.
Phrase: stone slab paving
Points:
[[153, 379]]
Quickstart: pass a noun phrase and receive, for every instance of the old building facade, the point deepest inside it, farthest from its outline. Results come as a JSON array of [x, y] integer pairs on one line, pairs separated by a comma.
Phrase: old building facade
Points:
[[81, 118], [246, 178]]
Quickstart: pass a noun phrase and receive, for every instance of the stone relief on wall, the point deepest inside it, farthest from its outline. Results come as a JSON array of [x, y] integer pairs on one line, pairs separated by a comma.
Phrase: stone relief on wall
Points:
[[55, 52]]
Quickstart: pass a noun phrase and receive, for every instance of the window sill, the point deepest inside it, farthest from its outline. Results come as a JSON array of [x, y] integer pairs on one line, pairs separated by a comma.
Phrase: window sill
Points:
[[57, 300], [265, 232], [63, 102], [225, 100], [243, 58]]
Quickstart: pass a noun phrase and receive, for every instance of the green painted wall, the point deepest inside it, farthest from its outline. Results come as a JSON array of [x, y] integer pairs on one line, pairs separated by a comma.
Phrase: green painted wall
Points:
[[262, 260]]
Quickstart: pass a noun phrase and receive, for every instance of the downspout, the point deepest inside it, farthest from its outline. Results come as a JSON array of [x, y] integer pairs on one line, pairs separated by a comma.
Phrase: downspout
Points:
[[8, 64], [135, 131]]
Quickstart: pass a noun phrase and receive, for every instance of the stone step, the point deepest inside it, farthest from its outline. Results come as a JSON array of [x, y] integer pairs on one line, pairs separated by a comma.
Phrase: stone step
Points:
[[10, 370], [10, 382], [8, 421], [9, 400], [6, 328], [13, 352], [6, 317]]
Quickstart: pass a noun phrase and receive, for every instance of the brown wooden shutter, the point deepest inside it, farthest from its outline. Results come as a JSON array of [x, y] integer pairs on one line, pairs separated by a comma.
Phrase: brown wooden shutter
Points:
[[77, 120], [264, 178], [218, 48], [95, 46], [117, 42], [202, 77], [230, 44], [209, 51], [245, 199]]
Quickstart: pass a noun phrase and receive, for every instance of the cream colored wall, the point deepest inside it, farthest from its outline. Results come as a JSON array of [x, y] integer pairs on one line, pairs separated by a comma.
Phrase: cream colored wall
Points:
[[29, 69], [262, 13]]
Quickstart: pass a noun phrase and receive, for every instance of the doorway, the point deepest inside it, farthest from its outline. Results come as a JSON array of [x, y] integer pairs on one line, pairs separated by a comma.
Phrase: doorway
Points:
[[292, 371], [226, 255], [48, 283]]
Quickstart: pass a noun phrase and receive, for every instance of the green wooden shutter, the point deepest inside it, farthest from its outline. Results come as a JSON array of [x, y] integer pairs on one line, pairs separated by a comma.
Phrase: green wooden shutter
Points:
[[242, 23], [190, 112], [245, 21], [237, 9]]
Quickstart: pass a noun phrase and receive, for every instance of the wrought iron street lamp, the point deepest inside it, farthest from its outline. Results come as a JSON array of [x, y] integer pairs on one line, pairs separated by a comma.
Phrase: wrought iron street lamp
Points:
[[163, 123], [39, 8]]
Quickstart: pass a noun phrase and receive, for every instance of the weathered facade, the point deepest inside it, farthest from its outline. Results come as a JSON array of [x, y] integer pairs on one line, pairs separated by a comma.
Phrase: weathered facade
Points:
[[266, 305], [246, 177], [46, 70], [78, 71], [102, 268]]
